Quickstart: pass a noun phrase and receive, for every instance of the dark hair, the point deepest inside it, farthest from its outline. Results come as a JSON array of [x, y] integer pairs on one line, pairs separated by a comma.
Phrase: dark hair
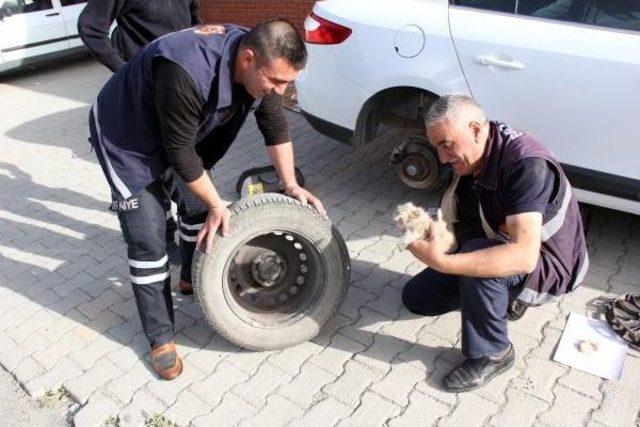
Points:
[[275, 39]]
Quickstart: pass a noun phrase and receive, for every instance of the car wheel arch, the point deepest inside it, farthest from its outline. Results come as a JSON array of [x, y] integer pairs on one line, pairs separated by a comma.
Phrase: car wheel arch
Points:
[[396, 107]]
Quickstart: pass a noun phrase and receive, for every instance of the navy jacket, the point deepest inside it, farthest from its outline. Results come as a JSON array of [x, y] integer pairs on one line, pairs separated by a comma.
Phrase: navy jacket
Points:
[[125, 119], [563, 260]]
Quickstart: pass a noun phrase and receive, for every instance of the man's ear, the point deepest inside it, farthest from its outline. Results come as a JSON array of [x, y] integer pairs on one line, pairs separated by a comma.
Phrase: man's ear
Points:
[[247, 57], [476, 128]]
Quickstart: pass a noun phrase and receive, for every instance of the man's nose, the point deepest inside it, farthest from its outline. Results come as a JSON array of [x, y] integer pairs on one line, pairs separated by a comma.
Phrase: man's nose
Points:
[[281, 88], [442, 156]]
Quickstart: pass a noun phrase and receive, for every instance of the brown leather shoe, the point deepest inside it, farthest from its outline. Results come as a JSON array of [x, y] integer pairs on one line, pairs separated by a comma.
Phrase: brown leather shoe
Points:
[[165, 361], [185, 287]]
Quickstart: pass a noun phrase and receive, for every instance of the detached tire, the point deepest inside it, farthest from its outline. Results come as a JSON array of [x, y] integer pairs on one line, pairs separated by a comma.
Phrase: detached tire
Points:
[[278, 276]]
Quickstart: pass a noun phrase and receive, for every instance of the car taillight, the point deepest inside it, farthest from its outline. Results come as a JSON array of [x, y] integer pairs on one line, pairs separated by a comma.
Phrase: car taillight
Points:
[[321, 31]]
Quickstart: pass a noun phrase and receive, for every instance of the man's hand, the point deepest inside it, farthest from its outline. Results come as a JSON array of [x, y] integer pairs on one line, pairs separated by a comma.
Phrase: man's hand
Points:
[[305, 197], [218, 218], [431, 250]]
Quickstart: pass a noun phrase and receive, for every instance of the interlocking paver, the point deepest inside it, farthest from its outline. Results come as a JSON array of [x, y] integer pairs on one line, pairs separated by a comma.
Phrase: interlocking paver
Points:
[[355, 299], [168, 391], [93, 308], [424, 352], [539, 378], [277, 412], [70, 302], [148, 401], [304, 389], [292, 359], [521, 409], [422, 410], [186, 407], [619, 407], [382, 352], [350, 386], [431, 386], [125, 386], [631, 373], [446, 327], [230, 412], [549, 343], [199, 333], [128, 355], [336, 354], [83, 386], [96, 411], [406, 327], [214, 387], [52, 378], [569, 408], [88, 356], [125, 332], [11, 357], [261, 384], [378, 279], [27, 369], [326, 412], [398, 383], [374, 410], [364, 329], [470, 410], [583, 383], [17, 315], [131, 416], [389, 303], [52, 353]]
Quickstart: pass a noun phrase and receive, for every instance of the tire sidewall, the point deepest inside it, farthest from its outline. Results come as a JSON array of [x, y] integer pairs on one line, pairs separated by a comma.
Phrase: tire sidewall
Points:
[[210, 275]]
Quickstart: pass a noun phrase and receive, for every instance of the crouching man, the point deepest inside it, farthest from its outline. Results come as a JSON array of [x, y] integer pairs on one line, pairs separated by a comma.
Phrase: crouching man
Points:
[[520, 231], [162, 121]]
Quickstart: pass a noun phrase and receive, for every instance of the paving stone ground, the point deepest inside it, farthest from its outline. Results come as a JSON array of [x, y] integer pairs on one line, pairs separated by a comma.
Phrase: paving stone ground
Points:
[[67, 317]]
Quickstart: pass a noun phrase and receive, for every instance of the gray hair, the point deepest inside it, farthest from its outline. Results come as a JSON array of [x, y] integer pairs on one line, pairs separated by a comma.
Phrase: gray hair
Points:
[[452, 107]]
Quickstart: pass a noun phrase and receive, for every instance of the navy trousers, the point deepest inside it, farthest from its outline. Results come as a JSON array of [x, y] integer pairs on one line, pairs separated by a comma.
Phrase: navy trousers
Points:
[[144, 230], [482, 302]]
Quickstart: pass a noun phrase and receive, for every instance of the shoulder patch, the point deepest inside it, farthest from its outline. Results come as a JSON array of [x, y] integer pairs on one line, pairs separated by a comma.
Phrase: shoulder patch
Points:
[[207, 30]]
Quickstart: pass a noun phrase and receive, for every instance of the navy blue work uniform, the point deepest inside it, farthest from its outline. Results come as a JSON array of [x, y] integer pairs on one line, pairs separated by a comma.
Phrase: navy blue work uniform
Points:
[[127, 134], [519, 175]]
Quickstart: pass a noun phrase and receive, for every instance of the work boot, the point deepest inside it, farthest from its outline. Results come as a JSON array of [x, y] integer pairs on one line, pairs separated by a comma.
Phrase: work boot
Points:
[[165, 361], [516, 310], [185, 287], [474, 373]]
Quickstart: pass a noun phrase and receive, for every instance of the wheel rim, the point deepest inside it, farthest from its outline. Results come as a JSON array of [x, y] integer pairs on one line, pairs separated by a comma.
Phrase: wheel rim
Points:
[[273, 278]]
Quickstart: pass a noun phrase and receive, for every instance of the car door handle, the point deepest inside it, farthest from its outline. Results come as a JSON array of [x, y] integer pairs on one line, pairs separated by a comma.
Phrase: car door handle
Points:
[[490, 60], [52, 14]]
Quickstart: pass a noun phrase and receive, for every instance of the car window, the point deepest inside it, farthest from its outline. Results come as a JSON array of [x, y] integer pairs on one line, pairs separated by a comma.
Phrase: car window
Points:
[[71, 2], [14, 7], [622, 14], [508, 6]]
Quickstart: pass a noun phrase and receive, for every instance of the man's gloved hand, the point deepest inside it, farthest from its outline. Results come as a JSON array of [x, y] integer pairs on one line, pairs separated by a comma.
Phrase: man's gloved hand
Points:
[[218, 218]]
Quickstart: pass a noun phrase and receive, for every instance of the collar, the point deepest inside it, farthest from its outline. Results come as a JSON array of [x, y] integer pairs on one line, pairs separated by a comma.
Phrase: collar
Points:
[[488, 176], [227, 63]]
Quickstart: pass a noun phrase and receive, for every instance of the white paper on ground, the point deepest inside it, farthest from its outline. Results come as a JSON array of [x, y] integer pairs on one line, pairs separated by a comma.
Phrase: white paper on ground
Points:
[[607, 362]]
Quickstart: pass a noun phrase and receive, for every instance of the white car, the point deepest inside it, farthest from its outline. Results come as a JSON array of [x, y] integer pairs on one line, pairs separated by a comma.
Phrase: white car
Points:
[[567, 71], [33, 31]]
